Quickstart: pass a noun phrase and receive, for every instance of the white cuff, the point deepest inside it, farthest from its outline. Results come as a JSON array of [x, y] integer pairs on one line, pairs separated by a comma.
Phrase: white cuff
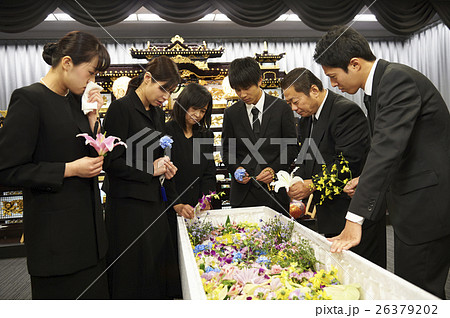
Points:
[[354, 218]]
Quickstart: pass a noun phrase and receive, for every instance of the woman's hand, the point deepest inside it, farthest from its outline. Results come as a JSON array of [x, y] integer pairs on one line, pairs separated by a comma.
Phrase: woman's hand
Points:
[[94, 96], [159, 166], [86, 167], [171, 170], [184, 210]]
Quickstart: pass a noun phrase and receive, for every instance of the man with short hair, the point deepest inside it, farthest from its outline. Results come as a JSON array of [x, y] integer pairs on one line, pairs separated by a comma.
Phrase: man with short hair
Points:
[[256, 131], [407, 167], [338, 128]]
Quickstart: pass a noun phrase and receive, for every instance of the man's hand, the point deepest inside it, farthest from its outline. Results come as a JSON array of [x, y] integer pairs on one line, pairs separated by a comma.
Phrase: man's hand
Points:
[[350, 187], [349, 237], [266, 175], [301, 190]]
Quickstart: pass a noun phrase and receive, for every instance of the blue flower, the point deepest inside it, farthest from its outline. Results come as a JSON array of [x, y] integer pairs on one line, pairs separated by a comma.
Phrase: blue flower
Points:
[[262, 259], [239, 174], [165, 142]]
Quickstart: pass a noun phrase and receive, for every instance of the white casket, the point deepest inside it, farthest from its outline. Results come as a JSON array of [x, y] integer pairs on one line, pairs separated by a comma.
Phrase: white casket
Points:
[[376, 282]]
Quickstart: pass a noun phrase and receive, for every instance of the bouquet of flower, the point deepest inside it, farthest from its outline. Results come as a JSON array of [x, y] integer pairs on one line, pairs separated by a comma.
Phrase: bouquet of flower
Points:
[[102, 144], [332, 183]]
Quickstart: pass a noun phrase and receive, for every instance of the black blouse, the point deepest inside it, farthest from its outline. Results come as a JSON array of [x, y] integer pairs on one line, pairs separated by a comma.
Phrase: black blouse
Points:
[[182, 155]]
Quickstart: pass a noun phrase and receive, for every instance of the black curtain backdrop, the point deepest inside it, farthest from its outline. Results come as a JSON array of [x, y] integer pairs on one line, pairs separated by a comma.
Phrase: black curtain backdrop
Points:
[[401, 17]]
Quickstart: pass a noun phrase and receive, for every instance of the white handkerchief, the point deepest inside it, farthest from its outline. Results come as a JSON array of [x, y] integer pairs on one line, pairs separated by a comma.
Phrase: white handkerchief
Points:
[[85, 106]]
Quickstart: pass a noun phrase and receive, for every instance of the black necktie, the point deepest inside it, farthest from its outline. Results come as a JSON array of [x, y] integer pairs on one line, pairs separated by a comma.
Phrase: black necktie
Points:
[[370, 111], [367, 101], [256, 123]]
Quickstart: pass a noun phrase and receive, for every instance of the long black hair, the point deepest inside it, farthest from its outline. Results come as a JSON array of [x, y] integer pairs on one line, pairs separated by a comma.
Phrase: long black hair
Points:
[[162, 69], [82, 47], [196, 96]]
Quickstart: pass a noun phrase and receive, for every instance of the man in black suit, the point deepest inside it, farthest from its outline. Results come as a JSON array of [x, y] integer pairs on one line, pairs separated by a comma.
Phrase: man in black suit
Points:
[[407, 167], [339, 129], [259, 136]]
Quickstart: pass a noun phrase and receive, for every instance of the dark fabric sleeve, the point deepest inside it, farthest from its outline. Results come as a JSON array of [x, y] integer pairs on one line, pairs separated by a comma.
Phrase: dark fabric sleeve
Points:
[[227, 135], [289, 131], [399, 103], [18, 139], [116, 124], [351, 135], [208, 180]]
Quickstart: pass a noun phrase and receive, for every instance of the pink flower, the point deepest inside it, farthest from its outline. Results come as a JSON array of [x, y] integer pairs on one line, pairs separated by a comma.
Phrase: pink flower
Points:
[[276, 269], [249, 275], [102, 145]]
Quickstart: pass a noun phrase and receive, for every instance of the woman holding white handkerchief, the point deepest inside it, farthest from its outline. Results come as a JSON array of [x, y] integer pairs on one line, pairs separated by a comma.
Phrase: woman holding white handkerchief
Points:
[[64, 231]]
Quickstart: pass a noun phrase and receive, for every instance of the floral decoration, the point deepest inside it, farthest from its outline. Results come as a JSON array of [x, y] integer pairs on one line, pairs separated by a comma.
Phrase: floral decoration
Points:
[[260, 261], [332, 183], [102, 144]]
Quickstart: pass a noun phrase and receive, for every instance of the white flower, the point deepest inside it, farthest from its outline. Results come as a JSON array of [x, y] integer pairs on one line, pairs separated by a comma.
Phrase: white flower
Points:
[[285, 180]]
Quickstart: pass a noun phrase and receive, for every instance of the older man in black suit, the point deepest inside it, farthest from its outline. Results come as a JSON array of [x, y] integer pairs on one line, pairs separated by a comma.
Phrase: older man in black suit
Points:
[[259, 136], [339, 130], [407, 167]]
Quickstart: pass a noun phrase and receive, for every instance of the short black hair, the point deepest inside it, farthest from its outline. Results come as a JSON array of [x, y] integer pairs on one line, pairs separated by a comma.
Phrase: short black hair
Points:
[[196, 96], [339, 45], [301, 79], [244, 73]]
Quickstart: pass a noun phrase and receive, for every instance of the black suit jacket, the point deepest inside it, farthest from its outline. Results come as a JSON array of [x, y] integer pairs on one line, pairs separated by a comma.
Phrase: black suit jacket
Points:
[[63, 220], [408, 163], [277, 122], [126, 118], [341, 129]]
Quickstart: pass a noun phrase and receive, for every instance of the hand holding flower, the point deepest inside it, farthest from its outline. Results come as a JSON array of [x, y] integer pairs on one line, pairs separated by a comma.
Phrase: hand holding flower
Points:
[[241, 175], [86, 167], [171, 170], [301, 190], [350, 187], [184, 210]]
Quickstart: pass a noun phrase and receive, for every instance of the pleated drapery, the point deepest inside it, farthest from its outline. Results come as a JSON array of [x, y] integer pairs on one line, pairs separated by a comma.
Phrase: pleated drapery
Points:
[[426, 51], [400, 17]]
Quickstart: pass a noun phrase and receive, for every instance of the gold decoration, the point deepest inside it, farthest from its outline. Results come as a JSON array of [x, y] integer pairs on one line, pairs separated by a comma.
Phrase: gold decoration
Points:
[[177, 38], [8, 208]]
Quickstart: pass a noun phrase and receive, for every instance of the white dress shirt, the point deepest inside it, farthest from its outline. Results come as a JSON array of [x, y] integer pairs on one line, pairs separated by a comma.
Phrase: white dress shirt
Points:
[[368, 91], [259, 105]]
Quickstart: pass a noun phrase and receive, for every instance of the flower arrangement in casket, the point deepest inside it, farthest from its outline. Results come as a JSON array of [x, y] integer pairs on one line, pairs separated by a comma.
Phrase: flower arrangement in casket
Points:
[[261, 261]]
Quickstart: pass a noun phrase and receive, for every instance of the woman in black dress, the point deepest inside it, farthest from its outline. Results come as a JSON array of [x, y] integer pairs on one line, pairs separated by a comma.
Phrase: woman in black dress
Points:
[[196, 175], [189, 128], [63, 221], [141, 253]]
